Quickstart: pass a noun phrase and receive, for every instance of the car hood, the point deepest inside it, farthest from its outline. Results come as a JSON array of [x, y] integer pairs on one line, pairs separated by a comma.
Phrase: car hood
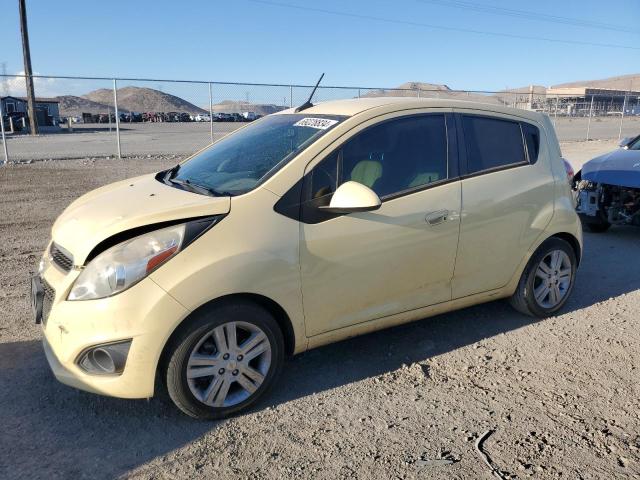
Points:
[[620, 167], [124, 205]]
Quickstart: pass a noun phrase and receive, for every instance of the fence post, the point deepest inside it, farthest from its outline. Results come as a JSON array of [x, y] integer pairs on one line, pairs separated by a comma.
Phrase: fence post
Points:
[[358, 93], [211, 112], [624, 106], [115, 107], [4, 138], [589, 122], [290, 96], [555, 113]]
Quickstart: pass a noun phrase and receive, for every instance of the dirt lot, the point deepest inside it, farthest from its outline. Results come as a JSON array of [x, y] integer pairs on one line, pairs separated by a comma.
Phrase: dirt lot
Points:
[[560, 395]]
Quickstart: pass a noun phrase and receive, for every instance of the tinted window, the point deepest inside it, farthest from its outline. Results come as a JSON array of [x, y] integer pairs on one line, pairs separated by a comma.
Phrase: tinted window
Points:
[[389, 158], [492, 143], [532, 137]]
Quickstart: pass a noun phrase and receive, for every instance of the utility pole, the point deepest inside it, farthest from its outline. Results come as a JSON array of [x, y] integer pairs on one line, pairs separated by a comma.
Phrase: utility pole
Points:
[[27, 68]]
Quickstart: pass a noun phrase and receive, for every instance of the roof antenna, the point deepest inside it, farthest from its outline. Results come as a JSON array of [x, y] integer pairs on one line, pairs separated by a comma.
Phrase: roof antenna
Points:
[[308, 103]]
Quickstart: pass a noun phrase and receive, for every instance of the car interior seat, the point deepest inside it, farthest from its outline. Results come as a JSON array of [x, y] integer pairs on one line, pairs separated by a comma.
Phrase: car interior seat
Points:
[[367, 172]]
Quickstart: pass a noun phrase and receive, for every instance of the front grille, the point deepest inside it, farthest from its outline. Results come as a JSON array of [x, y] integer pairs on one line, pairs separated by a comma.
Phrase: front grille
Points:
[[47, 301], [60, 257]]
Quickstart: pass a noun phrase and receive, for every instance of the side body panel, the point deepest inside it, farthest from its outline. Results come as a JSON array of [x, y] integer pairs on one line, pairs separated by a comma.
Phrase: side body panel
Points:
[[253, 250], [365, 266], [369, 265], [565, 219], [503, 213]]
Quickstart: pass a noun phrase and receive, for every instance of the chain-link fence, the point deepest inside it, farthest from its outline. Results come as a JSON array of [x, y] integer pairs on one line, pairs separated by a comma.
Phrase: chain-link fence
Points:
[[80, 117]]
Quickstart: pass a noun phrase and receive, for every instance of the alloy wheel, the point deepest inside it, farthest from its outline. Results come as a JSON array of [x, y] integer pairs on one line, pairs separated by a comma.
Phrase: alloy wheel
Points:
[[228, 364], [553, 278]]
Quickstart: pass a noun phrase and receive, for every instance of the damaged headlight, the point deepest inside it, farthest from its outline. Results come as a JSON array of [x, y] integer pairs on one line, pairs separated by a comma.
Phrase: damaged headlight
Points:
[[126, 263], [119, 267]]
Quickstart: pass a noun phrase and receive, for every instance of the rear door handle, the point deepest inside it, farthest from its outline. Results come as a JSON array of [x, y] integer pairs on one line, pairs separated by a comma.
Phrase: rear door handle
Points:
[[438, 217]]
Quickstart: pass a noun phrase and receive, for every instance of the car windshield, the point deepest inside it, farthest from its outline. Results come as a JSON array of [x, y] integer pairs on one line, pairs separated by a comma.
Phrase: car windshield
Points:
[[242, 160], [634, 145]]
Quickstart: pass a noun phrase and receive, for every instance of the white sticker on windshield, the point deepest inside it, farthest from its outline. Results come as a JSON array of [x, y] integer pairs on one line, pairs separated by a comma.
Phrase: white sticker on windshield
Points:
[[319, 123]]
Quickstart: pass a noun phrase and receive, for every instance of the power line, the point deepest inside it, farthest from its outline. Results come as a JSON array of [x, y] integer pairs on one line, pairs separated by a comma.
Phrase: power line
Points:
[[440, 27], [529, 15]]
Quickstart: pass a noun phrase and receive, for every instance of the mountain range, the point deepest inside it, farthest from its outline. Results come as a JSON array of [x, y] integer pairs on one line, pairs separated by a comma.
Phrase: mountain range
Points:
[[139, 99], [130, 99]]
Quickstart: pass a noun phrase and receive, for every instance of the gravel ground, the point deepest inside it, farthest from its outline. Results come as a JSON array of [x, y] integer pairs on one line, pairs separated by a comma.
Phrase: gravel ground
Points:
[[560, 396]]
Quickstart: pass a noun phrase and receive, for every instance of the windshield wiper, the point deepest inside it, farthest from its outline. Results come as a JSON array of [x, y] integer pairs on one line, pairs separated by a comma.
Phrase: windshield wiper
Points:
[[194, 187]]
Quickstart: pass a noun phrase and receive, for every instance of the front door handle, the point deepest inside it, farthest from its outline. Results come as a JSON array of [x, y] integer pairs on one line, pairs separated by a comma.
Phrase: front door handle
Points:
[[438, 217]]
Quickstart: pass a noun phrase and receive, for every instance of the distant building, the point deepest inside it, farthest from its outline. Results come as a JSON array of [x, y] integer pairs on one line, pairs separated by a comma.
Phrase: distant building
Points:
[[47, 109], [577, 100]]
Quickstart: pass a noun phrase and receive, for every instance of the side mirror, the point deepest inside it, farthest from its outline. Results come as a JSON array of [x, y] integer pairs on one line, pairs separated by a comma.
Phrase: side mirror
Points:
[[625, 142], [353, 197]]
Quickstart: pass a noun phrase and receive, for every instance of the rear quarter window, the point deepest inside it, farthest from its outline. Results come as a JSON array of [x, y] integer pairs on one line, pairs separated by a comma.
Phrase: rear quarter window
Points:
[[492, 143], [532, 139]]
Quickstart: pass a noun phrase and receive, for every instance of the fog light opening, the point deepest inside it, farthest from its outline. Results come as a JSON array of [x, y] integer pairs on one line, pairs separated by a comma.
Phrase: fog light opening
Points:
[[106, 359], [101, 358]]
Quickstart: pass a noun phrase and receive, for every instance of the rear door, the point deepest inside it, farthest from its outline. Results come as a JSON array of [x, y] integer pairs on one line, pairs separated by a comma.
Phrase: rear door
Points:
[[368, 265], [507, 197]]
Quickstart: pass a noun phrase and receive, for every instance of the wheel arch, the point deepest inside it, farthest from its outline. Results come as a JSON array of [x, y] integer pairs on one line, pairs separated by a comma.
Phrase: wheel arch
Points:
[[279, 314], [571, 240]]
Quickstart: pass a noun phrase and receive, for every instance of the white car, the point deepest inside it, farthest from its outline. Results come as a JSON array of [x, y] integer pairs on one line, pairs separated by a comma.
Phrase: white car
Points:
[[202, 117]]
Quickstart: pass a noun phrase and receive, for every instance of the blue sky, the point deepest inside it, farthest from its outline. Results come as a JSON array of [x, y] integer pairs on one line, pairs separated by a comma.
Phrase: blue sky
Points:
[[242, 40]]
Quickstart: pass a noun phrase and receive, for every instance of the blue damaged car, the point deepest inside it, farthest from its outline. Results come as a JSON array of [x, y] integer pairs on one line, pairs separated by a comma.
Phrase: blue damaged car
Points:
[[608, 188]]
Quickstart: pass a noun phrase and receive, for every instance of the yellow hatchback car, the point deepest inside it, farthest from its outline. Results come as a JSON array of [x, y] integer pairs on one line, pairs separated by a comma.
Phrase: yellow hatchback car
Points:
[[301, 229]]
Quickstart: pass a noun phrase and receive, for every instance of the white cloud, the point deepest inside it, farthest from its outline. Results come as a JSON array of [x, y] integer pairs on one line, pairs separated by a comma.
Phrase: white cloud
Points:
[[43, 87]]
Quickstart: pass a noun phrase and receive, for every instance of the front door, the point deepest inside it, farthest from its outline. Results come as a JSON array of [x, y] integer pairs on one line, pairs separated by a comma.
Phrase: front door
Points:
[[368, 265]]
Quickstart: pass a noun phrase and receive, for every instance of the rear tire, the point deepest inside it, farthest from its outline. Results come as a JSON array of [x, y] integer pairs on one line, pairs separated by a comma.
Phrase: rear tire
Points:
[[223, 360], [547, 280]]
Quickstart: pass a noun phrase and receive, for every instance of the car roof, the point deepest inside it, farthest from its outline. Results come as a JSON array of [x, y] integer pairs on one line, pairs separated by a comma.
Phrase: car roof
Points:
[[355, 106]]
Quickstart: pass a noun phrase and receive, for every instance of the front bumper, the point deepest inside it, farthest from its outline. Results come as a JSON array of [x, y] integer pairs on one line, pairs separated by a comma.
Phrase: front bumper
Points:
[[144, 313]]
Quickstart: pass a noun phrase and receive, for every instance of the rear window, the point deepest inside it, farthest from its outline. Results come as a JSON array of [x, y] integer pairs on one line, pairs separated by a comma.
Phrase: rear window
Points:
[[492, 143]]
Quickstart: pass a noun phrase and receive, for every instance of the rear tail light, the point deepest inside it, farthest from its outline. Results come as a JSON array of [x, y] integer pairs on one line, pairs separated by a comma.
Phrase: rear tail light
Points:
[[569, 169]]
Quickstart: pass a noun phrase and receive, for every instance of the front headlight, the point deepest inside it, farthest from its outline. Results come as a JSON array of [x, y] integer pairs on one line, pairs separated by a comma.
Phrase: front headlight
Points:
[[122, 265]]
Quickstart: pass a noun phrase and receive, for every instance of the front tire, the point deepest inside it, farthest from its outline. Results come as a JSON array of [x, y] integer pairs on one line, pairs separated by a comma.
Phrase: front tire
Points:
[[223, 360], [547, 280]]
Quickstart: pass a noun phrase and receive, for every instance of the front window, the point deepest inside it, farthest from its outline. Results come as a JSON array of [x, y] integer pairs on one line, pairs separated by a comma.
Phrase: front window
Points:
[[241, 161], [390, 158]]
